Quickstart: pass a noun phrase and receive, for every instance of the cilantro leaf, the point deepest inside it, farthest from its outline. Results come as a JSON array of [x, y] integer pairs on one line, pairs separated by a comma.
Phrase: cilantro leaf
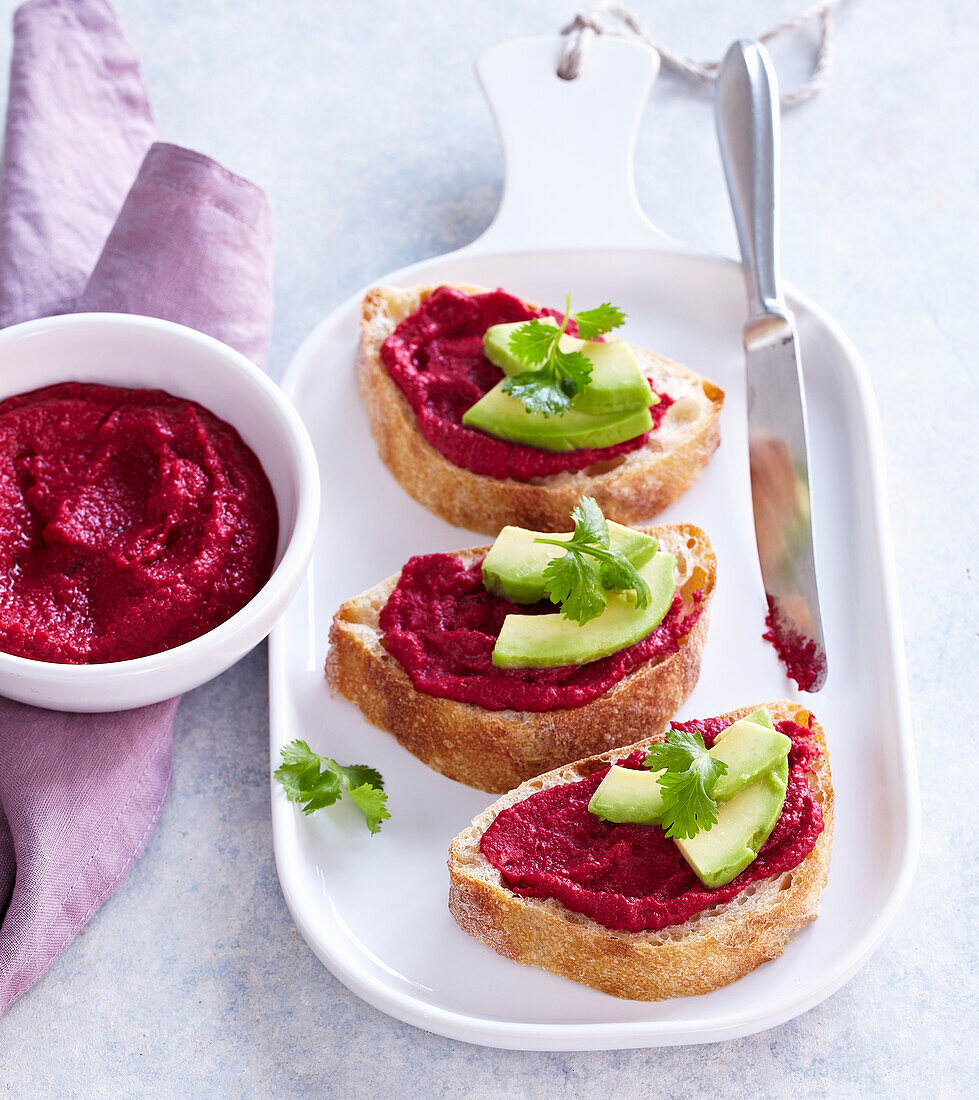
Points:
[[539, 391], [578, 580], [618, 572], [574, 368], [372, 801], [670, 754], [300, 776], [598, 321], [555, 377], [689, 809], [531, 343], [589, 522], [572, 582], [358, 774], [319, 781], [687, 783]]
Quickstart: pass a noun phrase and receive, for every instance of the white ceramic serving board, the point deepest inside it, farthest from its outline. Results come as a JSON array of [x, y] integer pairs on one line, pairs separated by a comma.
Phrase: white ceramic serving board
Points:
[[374, 908]]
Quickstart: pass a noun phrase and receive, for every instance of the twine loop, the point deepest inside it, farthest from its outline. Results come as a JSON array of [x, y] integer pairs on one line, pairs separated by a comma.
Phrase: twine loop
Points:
[[615, 19]]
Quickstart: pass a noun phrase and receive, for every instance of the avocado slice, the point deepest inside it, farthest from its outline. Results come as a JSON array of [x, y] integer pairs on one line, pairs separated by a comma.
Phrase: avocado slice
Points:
[[617, 383], [743, 825], [499, 414], [749, 750], [515, 564], [552, 641], [627, 795], [760, 717]]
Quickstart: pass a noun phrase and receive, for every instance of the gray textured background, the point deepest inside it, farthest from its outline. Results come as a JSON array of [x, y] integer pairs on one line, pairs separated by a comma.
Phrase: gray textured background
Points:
[[364, 123]]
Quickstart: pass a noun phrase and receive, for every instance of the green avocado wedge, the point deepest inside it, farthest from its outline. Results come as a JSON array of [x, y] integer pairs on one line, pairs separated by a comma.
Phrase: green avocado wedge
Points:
[[749, 798], [752, 751], [629, 796], [503, 416], [617, 383], [759, 717], [515, 564], [743, 825], [749, 750], [552, 641]]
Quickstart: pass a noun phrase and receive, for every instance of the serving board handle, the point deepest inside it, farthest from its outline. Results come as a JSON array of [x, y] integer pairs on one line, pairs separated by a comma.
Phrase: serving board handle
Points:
[[568, 145]]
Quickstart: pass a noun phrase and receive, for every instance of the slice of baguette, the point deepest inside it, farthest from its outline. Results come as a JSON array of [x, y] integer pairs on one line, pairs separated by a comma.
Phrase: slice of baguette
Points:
[[712, 949], [629, 488], [495, 750]]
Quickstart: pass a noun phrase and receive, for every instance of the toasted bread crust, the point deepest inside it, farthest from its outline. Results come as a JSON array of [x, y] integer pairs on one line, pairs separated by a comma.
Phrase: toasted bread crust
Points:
[[634, 488], [714, 948], [496, 750]]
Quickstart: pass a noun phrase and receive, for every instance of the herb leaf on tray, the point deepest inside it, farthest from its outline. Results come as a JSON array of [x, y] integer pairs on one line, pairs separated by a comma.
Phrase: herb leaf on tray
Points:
[[319, 781]]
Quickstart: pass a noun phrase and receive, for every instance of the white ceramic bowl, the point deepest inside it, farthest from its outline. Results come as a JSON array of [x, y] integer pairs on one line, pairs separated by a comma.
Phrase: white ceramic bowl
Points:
[[143, 352]]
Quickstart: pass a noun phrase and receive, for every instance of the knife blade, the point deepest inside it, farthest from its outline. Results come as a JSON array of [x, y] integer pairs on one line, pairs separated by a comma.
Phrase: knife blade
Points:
[[746, 108]]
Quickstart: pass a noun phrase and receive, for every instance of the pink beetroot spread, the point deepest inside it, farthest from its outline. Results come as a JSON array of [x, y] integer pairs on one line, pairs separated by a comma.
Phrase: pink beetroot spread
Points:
[[130, 521], [436, 357], [803, 659], [442, 624], [631, 877]]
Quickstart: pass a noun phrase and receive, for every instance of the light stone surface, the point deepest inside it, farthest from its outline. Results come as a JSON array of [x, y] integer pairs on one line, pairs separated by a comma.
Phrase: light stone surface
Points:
[[365, 124]]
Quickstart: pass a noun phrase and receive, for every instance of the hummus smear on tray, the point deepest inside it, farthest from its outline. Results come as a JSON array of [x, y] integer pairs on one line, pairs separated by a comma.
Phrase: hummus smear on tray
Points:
[[131, 521]]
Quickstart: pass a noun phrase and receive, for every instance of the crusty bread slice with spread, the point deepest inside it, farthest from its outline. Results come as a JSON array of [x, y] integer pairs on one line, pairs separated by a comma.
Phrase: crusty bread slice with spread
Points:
[[495, 750], [629, 488], [712, 949]]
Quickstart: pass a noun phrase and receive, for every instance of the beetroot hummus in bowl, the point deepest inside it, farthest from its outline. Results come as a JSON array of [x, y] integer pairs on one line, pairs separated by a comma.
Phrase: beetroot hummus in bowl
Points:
[[158, 501]]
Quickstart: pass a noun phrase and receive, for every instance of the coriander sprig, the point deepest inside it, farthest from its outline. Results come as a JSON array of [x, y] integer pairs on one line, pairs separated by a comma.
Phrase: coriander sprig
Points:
[[596, 322], [578, 580], [555, 377], [303, 781], [687, 783]]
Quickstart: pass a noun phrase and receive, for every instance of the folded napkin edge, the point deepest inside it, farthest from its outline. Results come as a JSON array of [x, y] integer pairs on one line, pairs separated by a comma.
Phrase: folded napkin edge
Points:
[[180, 169], [18, 963]]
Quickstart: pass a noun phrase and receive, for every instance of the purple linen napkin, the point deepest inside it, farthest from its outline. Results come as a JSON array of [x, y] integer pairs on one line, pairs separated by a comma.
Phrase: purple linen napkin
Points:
[[78, 125], [80, 794], [193, 244]]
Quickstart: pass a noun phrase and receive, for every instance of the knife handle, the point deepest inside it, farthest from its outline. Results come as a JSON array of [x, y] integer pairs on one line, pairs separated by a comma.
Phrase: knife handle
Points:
[[747, 112]]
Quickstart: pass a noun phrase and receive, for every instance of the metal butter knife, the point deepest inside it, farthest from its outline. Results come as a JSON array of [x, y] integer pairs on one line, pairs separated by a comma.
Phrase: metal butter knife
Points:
[[747, 112]]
